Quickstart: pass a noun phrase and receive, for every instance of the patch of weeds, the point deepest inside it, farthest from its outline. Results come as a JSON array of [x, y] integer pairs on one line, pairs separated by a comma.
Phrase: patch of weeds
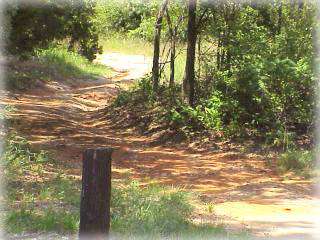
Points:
[[38, 198], [32, 220], [22, 75], [70, 64], [210, 207], [156, 212], [140, 93], [299, 161], [149, 210], [5, 110]]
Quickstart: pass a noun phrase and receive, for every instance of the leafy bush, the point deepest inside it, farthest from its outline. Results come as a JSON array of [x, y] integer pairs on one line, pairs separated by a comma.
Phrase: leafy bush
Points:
[[122, 16], [37, 25], [141, 93], [145, 29]]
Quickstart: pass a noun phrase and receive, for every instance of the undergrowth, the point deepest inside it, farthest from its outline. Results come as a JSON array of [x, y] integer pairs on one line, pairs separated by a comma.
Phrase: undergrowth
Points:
[[70, 64], [302, 162], [41, 197], [52, 63], [145, 108]]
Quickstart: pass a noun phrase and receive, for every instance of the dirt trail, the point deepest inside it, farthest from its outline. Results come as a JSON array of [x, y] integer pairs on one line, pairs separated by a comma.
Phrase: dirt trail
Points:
[[246, 193]]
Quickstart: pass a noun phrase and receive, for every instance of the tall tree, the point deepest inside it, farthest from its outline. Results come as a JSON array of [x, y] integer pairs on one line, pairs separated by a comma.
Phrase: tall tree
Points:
[[188, 85], [156, 46]]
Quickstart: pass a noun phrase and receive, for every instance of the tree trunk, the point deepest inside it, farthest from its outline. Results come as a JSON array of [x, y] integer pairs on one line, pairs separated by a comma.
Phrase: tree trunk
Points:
[[219, 52], [279, 18], [172, 33], [199, 55], [188, 91], [156, 46]]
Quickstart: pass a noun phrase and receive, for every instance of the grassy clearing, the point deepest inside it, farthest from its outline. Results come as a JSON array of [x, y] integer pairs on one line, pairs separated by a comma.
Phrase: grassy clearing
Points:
[[53, 63], [135, 46], [127, 45], [41, 198]]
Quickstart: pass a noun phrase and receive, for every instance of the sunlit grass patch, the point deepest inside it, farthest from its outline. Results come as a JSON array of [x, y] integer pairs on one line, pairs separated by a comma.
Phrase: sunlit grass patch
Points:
[[135, 46], [67, 63], [38, 196], [150, 210], [34, 220], [127, 45], [53, 63], [299, 161]]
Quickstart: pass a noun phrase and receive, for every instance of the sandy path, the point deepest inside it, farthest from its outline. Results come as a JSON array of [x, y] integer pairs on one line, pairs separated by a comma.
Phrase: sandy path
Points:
[[245, 192]]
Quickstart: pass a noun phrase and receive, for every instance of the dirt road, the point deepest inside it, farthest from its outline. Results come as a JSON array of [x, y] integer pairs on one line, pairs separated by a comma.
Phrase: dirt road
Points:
[[245, 192]]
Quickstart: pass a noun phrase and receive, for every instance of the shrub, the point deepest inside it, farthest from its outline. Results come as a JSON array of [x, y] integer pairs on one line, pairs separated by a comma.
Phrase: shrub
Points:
[[37, 25]]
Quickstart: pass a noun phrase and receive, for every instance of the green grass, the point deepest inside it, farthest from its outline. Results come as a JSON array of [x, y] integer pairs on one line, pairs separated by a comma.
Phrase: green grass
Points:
[[301, 162], [135, 46], [54, 63], [41, 198], [127, 45], [70, 64], [38, 199], [24, 74]]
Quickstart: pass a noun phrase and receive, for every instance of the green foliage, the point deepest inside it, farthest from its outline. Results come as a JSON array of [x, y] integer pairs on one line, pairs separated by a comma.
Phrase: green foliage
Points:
[[48, 220], [37, 25], [141, 92], [145, 29], [18, 158], [123, 16], [135, 18], [69, 64], [264, 76], [32, 26], [296, 160], [36, 205], [206, 116], [256, 76], [80, 26], [151, 210]]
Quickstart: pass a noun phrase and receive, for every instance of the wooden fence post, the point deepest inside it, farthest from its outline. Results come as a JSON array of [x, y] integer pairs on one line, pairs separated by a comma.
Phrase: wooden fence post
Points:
[[96, 193]]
